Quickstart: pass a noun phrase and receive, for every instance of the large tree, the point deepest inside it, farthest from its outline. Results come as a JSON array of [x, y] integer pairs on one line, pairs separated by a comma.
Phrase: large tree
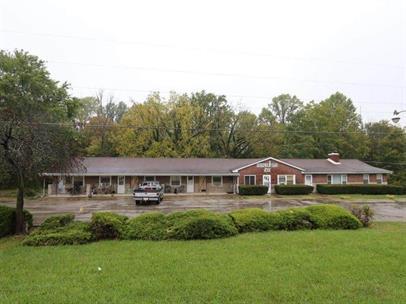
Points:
[[284, 107], [328, 126], [387, 148], [36, 122]]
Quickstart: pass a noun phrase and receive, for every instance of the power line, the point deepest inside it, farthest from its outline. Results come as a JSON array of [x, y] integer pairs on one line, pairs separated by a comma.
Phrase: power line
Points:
[[227, 95], [136, 127], [221, 74], [198, 49]]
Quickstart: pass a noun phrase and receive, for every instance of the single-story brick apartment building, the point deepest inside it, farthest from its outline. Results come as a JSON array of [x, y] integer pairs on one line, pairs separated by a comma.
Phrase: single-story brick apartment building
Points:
[[208, 175]]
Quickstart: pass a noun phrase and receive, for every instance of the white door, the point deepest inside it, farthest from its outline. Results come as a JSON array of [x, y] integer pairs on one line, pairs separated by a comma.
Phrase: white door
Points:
[[190, 184], [121, 185], [266, 181], [61, 185]]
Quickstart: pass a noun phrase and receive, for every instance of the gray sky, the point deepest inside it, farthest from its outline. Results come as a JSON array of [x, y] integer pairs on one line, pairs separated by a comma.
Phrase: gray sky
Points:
[[250, 51]]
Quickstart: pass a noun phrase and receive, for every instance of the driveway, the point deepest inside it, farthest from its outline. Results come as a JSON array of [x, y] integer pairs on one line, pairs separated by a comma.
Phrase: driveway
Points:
[[84, 207]]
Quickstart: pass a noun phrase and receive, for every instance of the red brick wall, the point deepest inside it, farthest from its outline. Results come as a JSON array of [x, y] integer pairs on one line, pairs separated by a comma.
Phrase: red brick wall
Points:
[[280, 169], [283, 169]]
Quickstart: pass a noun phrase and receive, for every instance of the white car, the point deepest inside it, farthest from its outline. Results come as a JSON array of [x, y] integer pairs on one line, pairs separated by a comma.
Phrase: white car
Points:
[[148, 192]]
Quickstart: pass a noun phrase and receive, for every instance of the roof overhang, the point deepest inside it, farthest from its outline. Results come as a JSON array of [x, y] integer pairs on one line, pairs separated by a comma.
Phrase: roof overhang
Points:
[[141, 174], [315, 172]]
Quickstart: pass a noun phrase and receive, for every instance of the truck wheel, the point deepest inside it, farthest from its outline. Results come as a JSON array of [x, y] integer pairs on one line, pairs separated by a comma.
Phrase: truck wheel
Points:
[[158, 201], [137, 202]]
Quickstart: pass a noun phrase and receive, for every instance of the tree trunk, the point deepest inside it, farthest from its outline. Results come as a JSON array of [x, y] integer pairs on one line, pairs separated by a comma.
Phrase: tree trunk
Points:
[[20, 225]]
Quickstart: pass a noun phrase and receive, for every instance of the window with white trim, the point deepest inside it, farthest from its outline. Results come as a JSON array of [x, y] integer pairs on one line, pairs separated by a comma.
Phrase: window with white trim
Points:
[[337, 179], [379, 179], [175, 180], [309, 180], [365, 179], [249, 179], [286, 179], [217, 180]]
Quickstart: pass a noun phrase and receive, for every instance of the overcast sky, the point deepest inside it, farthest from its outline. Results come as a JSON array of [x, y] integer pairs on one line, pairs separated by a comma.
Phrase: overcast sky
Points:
[[250, 51]]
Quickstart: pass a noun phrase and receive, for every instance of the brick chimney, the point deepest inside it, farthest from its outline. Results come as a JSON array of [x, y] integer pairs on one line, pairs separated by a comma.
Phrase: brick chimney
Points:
[[335, 157]]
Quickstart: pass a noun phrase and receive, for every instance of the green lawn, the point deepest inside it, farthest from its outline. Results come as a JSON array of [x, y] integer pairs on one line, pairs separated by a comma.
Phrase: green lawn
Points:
[[363, 266]]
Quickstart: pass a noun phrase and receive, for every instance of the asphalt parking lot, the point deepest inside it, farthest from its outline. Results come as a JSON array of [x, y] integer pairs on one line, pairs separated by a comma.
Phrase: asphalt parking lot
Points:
[[84, 207]]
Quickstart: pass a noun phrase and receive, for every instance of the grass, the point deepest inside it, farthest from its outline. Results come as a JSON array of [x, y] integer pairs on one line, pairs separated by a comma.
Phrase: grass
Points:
[[363, 266]]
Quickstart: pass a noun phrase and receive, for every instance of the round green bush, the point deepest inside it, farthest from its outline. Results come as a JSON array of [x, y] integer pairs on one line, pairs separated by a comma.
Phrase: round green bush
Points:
[[8, 220], [199, 224], [252, 219], [74, 233], [332, 217], [291, 219], [147, 226], [108, 225], [58, 221]]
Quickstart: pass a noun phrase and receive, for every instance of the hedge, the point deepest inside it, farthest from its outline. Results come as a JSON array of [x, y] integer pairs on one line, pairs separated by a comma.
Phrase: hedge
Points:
[[199, 224], [359, 189], [332, 217], [74, 233], [293, 189], [291, 219], [251, 219], [108, 225], [8, 220], [147, 226], [189, 225], [252, 190], [58, 221]]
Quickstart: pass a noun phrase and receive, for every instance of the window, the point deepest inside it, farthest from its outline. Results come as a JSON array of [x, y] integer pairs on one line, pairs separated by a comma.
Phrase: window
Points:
[[249, 180], [365, 179], [308, 180], [175, 180], [149, 178], [286, 179], [379, 179], [105, 180], [337, 179], [217, 180]]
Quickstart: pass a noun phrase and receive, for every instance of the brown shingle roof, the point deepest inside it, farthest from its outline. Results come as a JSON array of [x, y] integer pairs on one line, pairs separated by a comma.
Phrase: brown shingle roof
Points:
[[346, 166], [162, 166], [209, 166]]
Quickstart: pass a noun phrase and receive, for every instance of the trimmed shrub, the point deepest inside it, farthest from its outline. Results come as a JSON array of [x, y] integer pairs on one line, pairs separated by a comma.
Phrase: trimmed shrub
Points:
[[108, 225], [252, 219], [74, 233], [359, 189], [293, 189], [364, 214], [58, 221], [332, 217], [291, 219], [252, 190], [147, 226], [199, 224], [8, 220]]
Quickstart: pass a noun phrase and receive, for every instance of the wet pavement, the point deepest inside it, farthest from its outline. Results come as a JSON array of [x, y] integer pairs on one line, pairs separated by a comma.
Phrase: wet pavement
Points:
[[84, 207]]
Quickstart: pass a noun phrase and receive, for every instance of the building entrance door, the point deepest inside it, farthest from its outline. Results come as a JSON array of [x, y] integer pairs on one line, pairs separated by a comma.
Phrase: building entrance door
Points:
[[266, 181], [121, 185], [190, 184]]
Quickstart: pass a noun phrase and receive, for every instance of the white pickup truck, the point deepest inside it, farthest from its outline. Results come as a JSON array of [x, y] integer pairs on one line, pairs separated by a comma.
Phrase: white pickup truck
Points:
[[148, 192]]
